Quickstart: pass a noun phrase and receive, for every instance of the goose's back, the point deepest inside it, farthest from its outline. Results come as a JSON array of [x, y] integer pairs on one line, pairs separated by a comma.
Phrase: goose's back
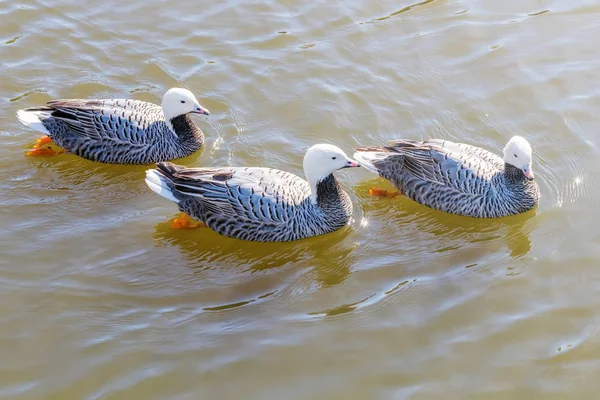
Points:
[[259, 204], [114, 130], [452, 177]]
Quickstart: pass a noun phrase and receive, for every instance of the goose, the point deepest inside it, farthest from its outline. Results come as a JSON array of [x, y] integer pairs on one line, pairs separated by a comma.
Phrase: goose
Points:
[[458, 178], [261, 204], [119, 131]]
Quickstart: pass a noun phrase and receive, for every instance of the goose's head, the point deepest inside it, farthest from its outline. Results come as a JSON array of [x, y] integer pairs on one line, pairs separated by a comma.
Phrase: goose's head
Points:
[[517, 153], [178, 101], [321, 160]]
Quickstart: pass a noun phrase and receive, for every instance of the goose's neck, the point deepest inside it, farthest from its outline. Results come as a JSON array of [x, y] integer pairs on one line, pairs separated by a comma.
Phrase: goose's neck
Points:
[[522, 193], [326, 191], [514, 175], [185, 129]]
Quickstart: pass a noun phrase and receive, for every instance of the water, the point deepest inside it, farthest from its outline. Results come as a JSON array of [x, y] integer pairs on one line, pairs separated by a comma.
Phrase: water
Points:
[[101, 299]]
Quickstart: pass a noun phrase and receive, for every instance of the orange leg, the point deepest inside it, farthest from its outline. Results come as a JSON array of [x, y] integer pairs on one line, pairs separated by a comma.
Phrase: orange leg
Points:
[[42, 148], [383, 193], [44, 152], [184, 221], [42, 141]]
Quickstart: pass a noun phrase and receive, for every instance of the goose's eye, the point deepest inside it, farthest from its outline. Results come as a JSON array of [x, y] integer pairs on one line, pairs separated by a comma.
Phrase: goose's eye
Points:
[[515, 155], [333, 158], [183, 101]]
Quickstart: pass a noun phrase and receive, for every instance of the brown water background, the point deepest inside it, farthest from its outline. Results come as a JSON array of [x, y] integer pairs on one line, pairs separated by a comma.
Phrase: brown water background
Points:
[[101, 299]]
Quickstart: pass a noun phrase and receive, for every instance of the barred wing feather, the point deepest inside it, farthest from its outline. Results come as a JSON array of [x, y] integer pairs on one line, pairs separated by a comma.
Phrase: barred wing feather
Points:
[[123, 121], [462, 167], [259, 194]]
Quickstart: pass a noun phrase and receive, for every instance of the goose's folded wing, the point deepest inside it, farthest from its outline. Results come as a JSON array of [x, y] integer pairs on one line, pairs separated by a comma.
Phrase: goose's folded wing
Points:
[[124, 121], [257, 194], [465, 168]]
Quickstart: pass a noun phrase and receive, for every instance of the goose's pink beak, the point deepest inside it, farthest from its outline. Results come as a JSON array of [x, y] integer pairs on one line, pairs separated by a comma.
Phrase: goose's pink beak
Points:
[[351, 163], [201, 110], [528, 173]]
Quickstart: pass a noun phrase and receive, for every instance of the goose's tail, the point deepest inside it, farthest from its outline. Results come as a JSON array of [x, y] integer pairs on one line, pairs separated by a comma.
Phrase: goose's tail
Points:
[[160, 180], [367, 156], [32, 117]]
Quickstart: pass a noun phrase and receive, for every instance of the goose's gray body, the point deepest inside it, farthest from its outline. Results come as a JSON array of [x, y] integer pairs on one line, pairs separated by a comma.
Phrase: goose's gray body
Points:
[[119, 131], [452, 177], [256, 204]]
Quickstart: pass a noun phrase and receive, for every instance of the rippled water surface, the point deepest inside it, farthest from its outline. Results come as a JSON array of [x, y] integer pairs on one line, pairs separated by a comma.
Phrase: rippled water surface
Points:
[[101, 299]]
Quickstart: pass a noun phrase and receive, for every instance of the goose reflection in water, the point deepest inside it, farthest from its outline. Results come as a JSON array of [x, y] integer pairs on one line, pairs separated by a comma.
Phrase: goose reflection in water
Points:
[[328, 258], [420, 229]]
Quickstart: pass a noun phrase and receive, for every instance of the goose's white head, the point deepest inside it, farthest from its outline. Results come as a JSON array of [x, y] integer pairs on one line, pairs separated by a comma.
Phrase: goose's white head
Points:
[[517, 153], [321, 160], [179, 101]]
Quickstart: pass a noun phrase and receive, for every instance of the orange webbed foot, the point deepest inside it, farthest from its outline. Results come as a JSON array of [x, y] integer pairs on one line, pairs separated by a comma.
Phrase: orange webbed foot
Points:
[[44, 152], [383, 193], [184, 221], [42, 141], [43, 148]]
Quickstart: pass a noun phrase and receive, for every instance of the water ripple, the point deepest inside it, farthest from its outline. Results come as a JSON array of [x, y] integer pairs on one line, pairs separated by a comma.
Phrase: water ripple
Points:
[[102, 298]]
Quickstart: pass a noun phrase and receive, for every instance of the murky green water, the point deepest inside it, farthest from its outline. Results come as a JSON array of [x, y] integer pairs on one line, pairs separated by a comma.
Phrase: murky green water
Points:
[[101, 299]]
